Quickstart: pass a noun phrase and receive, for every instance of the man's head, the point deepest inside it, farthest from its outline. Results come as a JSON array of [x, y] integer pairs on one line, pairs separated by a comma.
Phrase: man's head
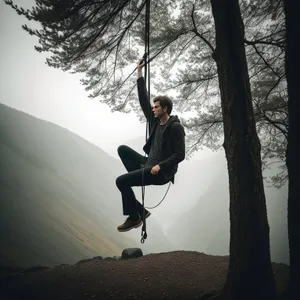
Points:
[[162, 106]]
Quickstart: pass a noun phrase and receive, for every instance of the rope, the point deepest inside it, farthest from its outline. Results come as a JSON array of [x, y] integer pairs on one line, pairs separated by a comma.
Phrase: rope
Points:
[[144, 232], [147, 76], [147, 70], [161, 199], [148, 51]]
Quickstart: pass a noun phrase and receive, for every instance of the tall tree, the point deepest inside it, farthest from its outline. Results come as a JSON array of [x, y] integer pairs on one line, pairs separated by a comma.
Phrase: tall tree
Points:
[[293, 146], [250, 274]]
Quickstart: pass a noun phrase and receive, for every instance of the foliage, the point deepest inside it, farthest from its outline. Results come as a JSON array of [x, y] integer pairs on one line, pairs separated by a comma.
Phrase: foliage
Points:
[[103, 40]]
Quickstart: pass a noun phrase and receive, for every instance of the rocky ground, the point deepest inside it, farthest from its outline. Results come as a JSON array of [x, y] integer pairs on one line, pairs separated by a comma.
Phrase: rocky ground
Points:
[[172, 275]]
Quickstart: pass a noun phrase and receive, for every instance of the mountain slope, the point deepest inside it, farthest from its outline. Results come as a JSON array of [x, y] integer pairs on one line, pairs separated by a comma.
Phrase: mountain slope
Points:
[[59, 202], [205, 226]]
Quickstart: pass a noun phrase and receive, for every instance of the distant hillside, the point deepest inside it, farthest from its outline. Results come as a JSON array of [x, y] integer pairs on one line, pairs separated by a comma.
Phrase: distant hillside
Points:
[[59, 202], [205, 226]]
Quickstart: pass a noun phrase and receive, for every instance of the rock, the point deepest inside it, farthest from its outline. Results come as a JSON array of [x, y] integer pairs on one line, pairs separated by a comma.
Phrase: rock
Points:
[[131, 253], [109, 258], [97, 257], [83, 261]]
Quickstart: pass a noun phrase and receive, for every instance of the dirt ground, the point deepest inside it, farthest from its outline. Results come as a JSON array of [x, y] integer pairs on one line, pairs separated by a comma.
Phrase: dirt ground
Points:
[[171, 275]]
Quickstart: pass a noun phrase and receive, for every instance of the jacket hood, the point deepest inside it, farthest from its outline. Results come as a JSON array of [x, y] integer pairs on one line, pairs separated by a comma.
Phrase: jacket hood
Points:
[[173, 119]]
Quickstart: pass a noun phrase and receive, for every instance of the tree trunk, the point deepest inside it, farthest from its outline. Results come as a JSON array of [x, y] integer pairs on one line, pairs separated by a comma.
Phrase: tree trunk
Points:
[[250, 274], [292, 64]]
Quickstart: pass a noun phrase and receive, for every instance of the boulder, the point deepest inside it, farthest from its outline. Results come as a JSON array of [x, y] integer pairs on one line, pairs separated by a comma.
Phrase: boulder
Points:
[[131, 253]]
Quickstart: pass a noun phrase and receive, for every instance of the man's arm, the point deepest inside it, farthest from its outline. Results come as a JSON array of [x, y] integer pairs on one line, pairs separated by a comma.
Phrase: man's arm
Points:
[[140, 69], [143, 96], [178, 145]]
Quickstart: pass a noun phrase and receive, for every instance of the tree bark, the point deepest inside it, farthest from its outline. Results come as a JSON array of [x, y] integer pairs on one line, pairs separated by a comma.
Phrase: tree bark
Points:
[[292, 64], [250, 274]]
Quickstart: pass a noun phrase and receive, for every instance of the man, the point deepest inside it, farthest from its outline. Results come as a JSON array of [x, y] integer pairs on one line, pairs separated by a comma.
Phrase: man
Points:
[[165, 148]]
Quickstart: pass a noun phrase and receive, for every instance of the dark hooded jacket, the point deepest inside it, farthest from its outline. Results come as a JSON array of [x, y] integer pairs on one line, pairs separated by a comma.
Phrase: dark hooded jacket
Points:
[[173, 142]]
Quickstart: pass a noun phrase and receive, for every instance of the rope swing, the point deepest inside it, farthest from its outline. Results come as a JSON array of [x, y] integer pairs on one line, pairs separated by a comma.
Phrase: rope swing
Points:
[[147, 75], [146, 59]]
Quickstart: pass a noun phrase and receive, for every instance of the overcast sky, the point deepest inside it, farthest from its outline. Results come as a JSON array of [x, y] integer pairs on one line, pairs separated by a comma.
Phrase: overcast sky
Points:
[[29, 85]]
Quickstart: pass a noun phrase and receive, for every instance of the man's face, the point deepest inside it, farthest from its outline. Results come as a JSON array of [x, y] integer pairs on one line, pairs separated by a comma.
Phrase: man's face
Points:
[[158, 111]]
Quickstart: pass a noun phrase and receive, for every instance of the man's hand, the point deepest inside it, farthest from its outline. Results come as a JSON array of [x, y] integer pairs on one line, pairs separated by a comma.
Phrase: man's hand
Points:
[[140, 67], [155, 170]]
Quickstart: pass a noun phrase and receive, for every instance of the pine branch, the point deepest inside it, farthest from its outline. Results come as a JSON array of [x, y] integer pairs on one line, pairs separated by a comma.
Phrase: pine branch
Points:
[[264, 60], [274, 86], [181, 52], [275, 124], [257, 42], [197, 33], [270, 35], [125, 30], [122, 105], [190, 149], [111, 17], [151, 58], [194, 81]]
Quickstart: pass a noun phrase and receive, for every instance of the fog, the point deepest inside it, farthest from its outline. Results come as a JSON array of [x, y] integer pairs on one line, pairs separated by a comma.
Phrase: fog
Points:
[[196, 207]]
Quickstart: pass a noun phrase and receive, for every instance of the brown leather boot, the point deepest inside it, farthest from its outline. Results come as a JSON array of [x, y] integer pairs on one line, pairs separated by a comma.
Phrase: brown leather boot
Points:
[[130, 224]]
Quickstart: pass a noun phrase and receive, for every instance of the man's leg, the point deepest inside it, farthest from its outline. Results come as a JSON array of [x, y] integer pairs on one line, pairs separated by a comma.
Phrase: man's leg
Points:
[[132, 161], [125, 183]]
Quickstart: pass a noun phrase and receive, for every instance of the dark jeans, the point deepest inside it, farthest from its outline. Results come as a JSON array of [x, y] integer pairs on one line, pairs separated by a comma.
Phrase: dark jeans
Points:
[[132, 162]]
